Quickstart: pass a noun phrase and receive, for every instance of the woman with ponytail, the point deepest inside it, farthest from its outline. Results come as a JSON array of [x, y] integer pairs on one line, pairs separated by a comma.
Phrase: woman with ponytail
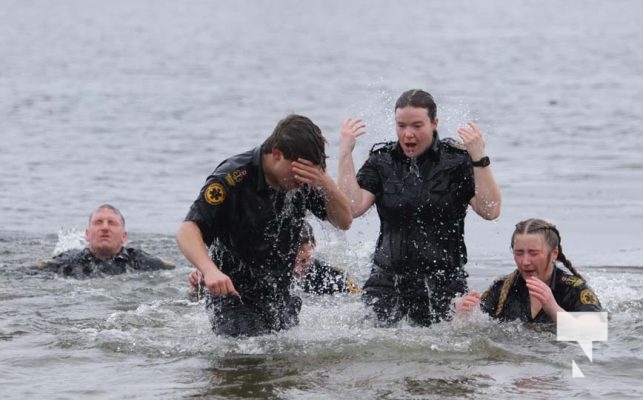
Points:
[[538, 289]]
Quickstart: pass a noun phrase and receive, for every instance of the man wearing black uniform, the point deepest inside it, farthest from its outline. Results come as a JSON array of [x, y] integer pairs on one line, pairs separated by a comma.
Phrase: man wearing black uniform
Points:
[[105, 253], [249, 213]]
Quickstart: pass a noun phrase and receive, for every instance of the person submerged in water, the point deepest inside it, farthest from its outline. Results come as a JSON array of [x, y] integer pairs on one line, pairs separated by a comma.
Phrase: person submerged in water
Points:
[[311, 274], [315, 275], [105, 253], [537, 290]]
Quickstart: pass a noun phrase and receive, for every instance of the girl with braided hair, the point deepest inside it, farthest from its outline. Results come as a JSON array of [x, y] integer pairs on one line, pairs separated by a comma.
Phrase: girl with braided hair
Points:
[[537, 290]]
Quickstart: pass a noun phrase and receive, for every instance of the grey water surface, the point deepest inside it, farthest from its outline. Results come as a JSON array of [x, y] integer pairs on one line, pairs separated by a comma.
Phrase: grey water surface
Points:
[[135, 102]]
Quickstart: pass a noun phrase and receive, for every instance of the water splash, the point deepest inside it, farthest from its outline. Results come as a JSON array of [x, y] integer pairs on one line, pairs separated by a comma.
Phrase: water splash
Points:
[[68, 239]]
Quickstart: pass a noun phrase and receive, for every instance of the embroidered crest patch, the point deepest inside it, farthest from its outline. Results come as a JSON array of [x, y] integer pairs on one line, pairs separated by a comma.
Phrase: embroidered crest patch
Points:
[[588, 297], [236, 176], [573, 281], [214, 194]]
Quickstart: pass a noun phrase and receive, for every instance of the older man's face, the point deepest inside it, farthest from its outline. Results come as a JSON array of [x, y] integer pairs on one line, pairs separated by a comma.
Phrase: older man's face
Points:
[[106, 233]]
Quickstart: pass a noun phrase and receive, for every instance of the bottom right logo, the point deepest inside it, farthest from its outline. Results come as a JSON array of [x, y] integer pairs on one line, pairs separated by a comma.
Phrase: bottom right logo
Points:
[[584, 328]]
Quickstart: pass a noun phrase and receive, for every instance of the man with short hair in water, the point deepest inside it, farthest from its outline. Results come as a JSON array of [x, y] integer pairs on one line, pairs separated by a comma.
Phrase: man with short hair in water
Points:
[[249, 214], [105, 253], [537, 290]]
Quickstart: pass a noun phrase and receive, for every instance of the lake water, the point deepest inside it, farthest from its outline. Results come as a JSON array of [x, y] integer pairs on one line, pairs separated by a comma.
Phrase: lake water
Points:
[[135, 102]]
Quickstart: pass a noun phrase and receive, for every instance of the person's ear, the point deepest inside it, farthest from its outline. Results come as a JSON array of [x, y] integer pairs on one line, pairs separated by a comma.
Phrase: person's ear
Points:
[[124, 238], [277, 154]]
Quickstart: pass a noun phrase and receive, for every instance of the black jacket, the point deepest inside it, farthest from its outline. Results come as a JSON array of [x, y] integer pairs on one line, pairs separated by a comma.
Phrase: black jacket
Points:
[[421, 204], [322, 278], [82, 263], [571, 293], [253, 230]]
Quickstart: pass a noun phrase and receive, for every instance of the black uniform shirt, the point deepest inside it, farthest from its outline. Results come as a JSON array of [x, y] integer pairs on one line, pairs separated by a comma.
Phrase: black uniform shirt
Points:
[[322, 278], [82, 263], [252, 229], [421, 204], [571, 293]]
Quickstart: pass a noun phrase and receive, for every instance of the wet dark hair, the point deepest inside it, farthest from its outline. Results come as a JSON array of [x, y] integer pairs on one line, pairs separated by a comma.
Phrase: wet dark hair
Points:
[[109, 207], [307, 235], [550, 234], [298, 137], [418, 98]]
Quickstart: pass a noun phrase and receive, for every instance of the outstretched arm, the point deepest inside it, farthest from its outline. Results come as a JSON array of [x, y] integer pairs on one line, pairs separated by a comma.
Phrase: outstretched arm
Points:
[[487, 199], [193, 248], [360, 200]]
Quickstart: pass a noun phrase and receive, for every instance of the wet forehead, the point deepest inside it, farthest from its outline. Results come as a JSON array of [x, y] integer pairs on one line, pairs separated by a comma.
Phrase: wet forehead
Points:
[[529, 241], [410, 115], [105, 214]]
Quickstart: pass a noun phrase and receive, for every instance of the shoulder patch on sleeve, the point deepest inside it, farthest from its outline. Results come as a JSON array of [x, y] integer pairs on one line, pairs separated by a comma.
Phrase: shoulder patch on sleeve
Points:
[[454, 144], [214, 194], [587, 296], [236, 176], [573, 281]]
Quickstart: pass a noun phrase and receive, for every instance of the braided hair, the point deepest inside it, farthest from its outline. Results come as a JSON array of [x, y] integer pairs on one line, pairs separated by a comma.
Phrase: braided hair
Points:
[[550, 234], [552, 238]]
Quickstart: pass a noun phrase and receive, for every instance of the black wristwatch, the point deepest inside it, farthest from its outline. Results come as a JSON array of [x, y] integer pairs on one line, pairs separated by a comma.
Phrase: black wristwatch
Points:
[[483, 162]]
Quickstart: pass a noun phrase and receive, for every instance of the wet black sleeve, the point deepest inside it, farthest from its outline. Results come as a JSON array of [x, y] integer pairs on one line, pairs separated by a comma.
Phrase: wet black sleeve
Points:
[[490, 297], [63, 263], [324, 279], [368, 176], [316, 203], [211, 209], [144, 261], [468, 187], [580, 299]]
